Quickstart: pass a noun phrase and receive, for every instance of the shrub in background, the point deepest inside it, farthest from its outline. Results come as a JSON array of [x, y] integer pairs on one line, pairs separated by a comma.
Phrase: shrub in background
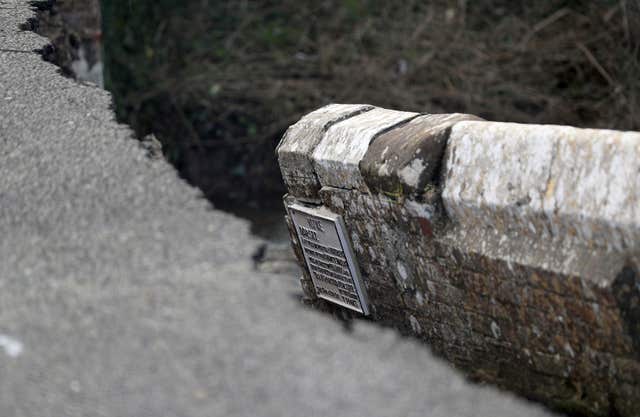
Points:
[[219, 82]]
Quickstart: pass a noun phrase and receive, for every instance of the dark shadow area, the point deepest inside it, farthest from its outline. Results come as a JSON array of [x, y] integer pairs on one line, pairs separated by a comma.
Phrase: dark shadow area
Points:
[[627, 292]]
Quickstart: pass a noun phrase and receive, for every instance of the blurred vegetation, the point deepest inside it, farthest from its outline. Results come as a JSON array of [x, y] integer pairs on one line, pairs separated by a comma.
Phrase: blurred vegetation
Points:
[[218, 82], [70, 25]]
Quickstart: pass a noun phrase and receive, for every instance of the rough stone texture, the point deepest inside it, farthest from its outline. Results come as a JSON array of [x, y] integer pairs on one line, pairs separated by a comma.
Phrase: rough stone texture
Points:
[[123, 293], [404, 160], [299, 142], [519, 263], [338, 154], [570, 195]]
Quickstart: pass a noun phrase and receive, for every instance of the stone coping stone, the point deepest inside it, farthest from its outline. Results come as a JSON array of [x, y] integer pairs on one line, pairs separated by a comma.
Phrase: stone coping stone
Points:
[[547, 184], [337, 157], [402, 161], [299, 142]]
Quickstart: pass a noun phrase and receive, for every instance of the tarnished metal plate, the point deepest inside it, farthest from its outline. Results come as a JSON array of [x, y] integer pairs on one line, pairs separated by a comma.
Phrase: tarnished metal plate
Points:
[[329, 256]]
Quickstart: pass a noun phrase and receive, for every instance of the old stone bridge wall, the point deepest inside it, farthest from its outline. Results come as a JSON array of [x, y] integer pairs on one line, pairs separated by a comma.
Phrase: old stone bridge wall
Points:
[[513, 250]]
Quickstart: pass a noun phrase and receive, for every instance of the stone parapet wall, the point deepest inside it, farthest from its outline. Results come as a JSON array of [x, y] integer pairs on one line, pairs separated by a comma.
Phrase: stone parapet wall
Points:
[[513, 250]]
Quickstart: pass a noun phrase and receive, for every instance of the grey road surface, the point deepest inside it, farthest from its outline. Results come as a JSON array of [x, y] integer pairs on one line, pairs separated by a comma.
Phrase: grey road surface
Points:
[[124, 293]]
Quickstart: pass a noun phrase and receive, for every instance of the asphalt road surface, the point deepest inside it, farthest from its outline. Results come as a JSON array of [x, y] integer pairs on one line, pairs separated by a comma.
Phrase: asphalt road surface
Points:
[[124, 293]]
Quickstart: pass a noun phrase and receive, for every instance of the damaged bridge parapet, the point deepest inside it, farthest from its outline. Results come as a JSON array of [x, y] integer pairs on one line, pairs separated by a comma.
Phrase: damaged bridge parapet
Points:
[[512, 249]]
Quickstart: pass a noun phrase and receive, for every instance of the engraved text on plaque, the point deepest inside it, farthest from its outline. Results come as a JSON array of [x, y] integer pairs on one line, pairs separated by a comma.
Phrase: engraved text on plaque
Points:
[[329, 256]]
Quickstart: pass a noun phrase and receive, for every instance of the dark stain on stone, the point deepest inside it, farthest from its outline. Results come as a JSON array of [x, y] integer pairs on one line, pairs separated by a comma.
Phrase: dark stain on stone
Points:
[[425, 226], [626, 289]]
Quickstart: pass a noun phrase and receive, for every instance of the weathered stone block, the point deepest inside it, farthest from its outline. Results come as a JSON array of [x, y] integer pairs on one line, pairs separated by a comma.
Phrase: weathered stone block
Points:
[[300, 140], [404, 160], [337, 156], [555, 187]]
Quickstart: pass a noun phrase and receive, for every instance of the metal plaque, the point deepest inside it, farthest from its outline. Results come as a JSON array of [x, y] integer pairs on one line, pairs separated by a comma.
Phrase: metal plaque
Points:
[[329, 256]]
